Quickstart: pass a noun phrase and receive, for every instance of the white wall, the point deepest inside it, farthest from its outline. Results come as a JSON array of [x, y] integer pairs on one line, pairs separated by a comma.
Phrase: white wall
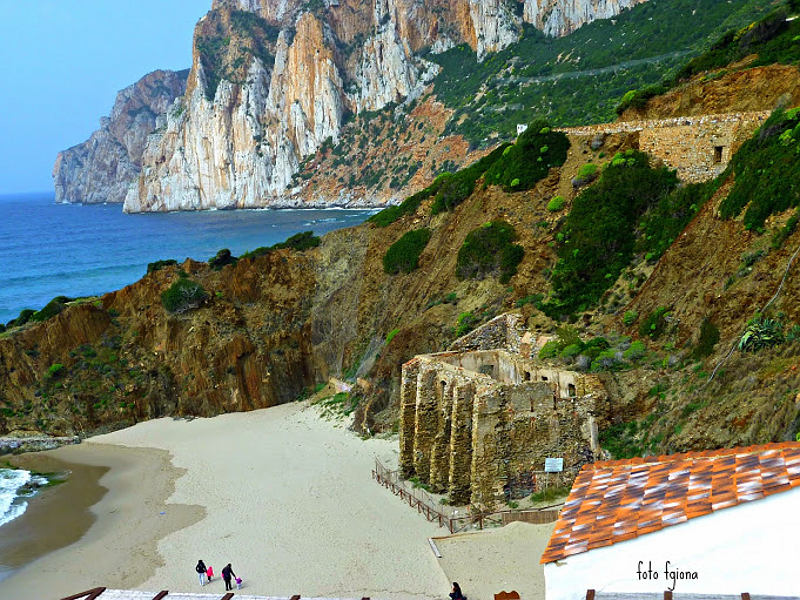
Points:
[[753, 547]]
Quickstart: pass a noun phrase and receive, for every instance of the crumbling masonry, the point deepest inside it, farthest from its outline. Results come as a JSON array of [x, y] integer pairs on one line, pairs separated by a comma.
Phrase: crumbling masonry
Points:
[[699, 148], [479, 424]]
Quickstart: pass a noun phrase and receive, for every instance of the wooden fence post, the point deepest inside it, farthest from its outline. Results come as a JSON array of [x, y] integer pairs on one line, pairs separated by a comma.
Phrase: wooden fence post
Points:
[[667, 595], [589, 594]]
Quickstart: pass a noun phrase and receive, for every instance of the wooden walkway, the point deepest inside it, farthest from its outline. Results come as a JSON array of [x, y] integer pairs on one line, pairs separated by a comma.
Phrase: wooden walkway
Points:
[[426, 505]]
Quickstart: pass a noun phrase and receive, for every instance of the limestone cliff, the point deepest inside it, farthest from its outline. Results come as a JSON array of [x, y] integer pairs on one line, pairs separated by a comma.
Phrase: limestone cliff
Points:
[[272, 82], [561, 17], [101, 168]]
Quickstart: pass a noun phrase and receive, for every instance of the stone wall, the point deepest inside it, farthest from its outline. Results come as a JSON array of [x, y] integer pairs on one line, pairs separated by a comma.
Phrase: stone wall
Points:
[[699, 148], [478, 425]]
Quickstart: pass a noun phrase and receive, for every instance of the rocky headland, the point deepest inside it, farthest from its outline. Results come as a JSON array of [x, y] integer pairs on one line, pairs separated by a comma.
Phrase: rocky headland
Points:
[[103, 167]]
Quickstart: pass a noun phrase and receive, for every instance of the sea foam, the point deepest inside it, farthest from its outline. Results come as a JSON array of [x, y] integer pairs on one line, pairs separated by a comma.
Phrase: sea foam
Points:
[[14, 488]]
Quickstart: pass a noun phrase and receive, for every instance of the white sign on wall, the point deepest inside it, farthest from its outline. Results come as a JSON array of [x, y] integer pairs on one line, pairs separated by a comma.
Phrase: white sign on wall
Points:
[[553, 465]]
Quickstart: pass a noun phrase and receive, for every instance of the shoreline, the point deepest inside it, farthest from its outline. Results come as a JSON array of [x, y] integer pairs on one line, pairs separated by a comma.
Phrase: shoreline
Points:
[[281, 493], [56, 516], [116, 517]]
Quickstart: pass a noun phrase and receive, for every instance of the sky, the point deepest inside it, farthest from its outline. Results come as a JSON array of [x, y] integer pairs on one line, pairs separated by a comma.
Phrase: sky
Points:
[[62, 63]]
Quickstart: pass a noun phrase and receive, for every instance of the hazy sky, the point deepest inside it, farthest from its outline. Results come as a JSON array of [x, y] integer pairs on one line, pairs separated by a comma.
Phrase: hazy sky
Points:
[[62, 63]]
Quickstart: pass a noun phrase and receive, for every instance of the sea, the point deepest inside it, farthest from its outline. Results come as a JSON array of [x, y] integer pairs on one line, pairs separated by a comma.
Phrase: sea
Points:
[[49, 250]]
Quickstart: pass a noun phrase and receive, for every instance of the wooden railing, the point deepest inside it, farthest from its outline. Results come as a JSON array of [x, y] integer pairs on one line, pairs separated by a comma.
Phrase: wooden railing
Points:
[[435, 512]]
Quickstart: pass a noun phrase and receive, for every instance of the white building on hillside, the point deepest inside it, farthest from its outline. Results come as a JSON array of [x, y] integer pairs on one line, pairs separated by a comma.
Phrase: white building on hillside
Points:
[[716, 522]]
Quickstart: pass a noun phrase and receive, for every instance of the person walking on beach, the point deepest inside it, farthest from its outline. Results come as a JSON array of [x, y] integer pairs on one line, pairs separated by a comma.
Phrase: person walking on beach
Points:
[[456, 593], [201, 571], [227, 574]]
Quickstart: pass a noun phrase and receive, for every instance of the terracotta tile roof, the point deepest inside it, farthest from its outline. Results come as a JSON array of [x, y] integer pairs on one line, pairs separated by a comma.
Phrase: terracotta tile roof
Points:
[[617, 500]]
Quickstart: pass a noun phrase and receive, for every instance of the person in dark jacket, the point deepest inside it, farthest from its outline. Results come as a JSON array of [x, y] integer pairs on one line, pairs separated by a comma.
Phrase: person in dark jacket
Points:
[[456, 593], [227, 575], [201, 571]]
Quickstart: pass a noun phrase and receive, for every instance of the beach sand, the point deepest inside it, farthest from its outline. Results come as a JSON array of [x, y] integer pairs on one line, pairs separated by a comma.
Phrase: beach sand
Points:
[[57, 516], [120, 546], [280, 493], [494, 560]]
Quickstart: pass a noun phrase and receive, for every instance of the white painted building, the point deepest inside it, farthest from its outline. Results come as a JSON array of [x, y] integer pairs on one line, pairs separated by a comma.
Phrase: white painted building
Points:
[[723, 522]]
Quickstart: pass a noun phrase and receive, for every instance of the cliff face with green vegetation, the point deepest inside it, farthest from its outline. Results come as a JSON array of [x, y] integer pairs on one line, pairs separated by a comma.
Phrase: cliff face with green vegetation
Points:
[[682, 298]]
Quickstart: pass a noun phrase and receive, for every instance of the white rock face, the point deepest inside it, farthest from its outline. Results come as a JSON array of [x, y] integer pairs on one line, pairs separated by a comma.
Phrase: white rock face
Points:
[[561, 17], [241, 148], [496, 27], [101, 169]]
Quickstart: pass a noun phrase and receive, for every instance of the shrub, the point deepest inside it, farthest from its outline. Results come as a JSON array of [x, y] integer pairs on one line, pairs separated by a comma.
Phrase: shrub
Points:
[[766, 172], [55, 306], [451, 190], [183, 295], [709, 336], [629, 318], [489, 250], [556, 203], [550, 494], [550, 349], [761, 332], [55, 371], [160, 264], [390, 336], [655, 323], [662, 223], [535, 299], [222, 258], [635, 351], [299, 242], [599, 232], [24, 316], [392, 213], [637, 99], [465, 323], [404, 254], [788, 229], [587, 172], [529, 160]]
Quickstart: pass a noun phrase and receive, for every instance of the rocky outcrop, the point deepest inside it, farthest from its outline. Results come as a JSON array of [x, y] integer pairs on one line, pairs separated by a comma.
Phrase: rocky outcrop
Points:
[[561, 17], [101, 168], [273, 81], [496, 26]]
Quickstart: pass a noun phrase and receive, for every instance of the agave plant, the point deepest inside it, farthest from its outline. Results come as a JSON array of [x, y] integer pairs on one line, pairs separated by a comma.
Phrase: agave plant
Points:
[[761, 332]]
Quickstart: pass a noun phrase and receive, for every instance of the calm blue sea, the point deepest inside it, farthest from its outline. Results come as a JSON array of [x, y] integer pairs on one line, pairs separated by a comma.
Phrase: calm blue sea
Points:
[[49, 249]]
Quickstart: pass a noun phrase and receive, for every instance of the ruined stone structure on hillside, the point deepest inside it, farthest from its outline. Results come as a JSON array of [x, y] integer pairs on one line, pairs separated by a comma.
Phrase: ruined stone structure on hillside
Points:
[[699, 148], [478, 423]]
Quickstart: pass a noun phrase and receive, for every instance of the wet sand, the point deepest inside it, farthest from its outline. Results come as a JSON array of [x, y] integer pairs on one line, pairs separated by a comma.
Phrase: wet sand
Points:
[[56, 516], [119, 547]]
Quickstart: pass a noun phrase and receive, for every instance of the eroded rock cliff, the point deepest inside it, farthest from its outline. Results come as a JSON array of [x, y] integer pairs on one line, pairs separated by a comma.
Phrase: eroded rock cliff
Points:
[[273, 82], [101, 168]]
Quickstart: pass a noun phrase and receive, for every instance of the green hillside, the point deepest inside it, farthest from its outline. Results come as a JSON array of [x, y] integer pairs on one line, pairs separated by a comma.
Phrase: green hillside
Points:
[[580, 78]]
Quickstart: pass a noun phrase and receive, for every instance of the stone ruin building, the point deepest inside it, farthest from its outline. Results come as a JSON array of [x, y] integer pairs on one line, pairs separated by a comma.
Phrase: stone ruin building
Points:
[[698, 147], [478, 421]]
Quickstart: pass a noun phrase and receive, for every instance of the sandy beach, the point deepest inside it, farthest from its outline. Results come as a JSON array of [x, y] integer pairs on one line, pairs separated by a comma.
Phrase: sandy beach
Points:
[[283, 495]]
